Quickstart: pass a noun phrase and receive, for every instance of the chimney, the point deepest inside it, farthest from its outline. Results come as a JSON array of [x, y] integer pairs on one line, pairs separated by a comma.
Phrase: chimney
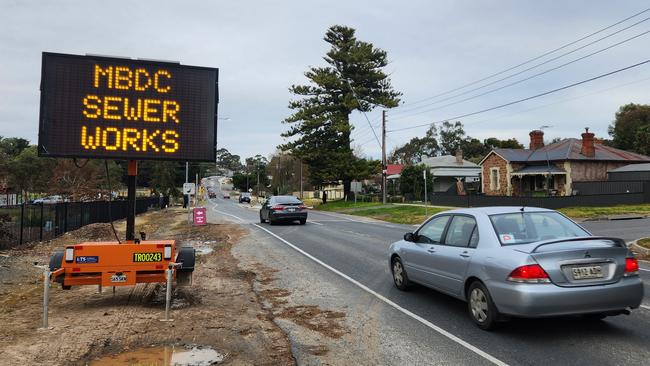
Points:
[[588, 148], [459, 157], [536, 139]]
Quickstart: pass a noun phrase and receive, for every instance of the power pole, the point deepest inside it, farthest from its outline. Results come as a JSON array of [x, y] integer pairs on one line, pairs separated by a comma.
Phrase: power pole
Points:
[[301, 191], [383, 156]]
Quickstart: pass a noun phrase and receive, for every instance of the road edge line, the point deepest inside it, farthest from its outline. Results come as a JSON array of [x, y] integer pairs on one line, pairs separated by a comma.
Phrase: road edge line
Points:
[[412, 315]]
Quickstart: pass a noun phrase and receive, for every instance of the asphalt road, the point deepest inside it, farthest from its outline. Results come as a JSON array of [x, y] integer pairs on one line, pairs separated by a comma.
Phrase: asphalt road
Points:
[[356, 248]]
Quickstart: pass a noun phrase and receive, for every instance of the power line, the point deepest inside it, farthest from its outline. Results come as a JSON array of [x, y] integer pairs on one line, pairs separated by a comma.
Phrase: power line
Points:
[[364, 113], [528, 61], [527, 98], [524, 79], [557, 102]]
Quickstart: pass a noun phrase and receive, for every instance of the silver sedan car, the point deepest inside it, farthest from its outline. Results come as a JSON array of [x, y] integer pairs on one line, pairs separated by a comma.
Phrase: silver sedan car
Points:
[[518, 262]]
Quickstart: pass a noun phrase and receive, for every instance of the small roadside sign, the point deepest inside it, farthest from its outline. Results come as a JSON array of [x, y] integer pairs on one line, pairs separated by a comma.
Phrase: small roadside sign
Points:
[[356, 187], [199, 216], [189, 188]]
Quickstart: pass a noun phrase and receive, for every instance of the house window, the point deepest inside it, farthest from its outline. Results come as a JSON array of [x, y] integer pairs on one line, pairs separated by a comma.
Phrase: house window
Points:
[[494, 179]]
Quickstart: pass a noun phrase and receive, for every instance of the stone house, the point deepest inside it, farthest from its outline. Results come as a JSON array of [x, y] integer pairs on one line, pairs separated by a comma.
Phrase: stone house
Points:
[[552, 168]]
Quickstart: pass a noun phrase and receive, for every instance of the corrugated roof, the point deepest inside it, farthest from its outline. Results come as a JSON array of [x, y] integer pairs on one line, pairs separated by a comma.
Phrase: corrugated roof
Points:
[[456, 172], [394, 169], [447, 161], [632, 168], [569, 149]]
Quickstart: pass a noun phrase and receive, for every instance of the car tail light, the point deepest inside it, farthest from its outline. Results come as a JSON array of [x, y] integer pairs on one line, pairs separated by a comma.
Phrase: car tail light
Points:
[[532, 273], [302, 207], [277, 208], [631, 267]]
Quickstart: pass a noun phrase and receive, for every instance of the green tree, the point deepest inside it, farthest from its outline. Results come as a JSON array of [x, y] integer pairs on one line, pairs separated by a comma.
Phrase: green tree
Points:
[[13, 146], [228, 161], [164, 178], [320, 127], [413, 151], [495, 143], [411, 182], [631, 127], [451, 137], [29, 173]]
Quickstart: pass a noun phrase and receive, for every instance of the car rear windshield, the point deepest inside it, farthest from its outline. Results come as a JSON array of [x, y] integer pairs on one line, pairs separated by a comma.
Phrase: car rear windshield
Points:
[[245, 194], [285, 200], [529, 227]]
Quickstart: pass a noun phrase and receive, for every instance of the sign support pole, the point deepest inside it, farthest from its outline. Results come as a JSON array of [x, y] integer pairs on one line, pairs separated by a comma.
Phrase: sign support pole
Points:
[[130, 214]]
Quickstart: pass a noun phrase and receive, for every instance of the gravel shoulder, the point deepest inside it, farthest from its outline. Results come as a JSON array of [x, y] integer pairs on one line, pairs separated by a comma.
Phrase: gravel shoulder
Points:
[[219, 310]]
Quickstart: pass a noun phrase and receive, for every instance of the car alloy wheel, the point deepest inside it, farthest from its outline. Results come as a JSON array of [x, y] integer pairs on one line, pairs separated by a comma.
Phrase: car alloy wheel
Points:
[[478, 304], [399, 275], [481, 307]]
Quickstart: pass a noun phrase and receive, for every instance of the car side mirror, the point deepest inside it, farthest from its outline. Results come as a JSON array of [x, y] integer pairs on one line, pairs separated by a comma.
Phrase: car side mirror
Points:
[[409, 237]]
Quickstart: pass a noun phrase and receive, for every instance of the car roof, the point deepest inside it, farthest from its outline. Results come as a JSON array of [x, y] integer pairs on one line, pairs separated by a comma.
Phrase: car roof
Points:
[[495, 210]]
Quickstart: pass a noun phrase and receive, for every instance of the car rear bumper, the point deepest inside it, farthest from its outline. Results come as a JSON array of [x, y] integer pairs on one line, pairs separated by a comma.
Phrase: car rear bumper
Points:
[[288, 216], [542, 300]]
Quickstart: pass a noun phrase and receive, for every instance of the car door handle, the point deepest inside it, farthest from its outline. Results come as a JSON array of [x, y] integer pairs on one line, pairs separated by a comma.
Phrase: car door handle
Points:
[[464, 254]]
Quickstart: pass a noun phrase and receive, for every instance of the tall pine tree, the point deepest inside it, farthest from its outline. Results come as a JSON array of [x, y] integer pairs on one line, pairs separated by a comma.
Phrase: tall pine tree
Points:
[[320, 127]]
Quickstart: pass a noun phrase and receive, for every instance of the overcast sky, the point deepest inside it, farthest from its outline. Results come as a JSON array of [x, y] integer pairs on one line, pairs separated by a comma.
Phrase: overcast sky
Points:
[[262, 47]]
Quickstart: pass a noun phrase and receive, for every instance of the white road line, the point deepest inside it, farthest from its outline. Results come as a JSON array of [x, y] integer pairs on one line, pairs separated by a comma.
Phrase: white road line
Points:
[[420, 319], [645, 307], [643, 269], [225, 213], [317, 223]]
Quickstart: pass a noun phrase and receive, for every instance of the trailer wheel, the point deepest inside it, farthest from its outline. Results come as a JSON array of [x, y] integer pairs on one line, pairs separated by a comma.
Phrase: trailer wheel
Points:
[[56, 260], [186, 256]]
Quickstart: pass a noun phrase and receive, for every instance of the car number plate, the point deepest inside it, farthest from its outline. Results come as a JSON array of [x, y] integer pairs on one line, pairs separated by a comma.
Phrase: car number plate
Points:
[[118, 277], [291, 210], [583, 273]]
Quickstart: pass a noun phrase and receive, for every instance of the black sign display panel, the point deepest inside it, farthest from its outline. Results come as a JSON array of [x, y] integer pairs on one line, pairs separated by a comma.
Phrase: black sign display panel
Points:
[[104, 107]]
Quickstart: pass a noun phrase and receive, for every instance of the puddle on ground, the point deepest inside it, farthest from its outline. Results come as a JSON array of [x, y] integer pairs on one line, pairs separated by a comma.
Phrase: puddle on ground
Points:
[[163, 356], [204, 251], [201, 247]]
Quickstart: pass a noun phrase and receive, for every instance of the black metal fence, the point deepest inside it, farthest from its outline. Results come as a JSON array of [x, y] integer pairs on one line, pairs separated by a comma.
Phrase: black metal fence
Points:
[[639, 193], [608, 187], [37, 222]]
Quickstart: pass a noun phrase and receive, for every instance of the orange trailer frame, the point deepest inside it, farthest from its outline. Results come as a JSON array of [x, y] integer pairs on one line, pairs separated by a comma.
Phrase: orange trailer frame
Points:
[[114, 264]]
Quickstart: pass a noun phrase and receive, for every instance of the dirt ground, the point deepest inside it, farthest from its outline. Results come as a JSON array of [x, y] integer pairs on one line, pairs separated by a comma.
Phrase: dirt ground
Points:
[[220, 310]]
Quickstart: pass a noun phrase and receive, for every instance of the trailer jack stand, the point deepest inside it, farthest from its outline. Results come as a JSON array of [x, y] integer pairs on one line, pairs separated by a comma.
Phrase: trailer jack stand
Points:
[[168, 295], [46, 299]]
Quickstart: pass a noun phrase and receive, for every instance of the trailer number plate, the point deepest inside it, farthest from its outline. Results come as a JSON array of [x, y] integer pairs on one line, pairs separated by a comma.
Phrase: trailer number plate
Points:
[[118, 277], [147, 257]]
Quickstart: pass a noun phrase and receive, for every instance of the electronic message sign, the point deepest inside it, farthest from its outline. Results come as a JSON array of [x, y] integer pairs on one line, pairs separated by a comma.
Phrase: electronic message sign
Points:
[[115, 108]]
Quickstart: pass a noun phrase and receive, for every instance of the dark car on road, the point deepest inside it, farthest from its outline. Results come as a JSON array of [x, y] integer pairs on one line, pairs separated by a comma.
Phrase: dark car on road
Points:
[[283, 208], [245, 197]]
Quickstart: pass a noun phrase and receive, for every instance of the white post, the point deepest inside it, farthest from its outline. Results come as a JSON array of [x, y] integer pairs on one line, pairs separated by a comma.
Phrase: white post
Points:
[[46, 295], [426, 208], [168, 295]]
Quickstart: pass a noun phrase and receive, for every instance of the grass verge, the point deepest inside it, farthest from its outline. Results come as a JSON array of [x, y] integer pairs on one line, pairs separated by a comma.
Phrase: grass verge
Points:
[[402, 214], [344, 206], [398, 214], [645, 242], [592, 212]]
